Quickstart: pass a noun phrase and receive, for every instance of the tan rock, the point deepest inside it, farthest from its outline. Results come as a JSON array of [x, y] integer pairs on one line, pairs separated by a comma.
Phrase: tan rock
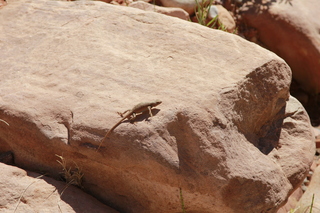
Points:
[[23, 192], [170, 11], [291, 30], [226, 133], [187, 5], [224, 17], [120, 2]]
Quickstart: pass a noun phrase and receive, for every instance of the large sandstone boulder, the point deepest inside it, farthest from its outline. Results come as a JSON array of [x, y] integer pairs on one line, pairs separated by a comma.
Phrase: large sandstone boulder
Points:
[[23, 191], [227, 132], [291, 30]]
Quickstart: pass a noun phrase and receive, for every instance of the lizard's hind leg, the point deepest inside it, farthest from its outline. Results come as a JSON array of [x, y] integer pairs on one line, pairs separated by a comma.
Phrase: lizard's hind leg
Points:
[[123, 113]]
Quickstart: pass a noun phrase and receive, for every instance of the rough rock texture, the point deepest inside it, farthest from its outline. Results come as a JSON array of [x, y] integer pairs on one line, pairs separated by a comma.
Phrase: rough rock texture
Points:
[[227, 132], [23, 192], [175, 12], [291, 30]]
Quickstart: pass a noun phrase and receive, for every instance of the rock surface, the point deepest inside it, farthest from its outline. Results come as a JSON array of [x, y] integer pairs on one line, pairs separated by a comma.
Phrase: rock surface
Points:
[[23, 191], [291, 30], [227, 134]]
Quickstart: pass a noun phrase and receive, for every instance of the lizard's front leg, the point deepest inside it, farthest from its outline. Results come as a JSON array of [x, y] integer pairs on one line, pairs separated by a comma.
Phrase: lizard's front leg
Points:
[[150, 113], [132, 117]]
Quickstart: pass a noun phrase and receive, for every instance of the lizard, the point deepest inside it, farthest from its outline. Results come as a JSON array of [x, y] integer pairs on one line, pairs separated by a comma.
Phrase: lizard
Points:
[[131, 114]]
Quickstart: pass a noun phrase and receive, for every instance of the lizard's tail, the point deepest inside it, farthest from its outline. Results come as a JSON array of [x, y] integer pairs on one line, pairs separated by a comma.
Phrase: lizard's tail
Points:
[[104, 138]]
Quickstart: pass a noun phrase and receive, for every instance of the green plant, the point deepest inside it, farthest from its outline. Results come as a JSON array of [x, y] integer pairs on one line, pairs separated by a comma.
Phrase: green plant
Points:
[[311, 206], [181, 201], [202, 12], [202, 15], [217, 24]]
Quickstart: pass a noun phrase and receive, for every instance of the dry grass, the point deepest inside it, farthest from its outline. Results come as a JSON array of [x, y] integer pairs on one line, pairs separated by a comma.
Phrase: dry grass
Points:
[[24, 191], [71, 176], [4, 122]]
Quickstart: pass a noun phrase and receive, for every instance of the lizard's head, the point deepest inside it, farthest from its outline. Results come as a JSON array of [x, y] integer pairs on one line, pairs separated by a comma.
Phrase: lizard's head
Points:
[[156, 103]]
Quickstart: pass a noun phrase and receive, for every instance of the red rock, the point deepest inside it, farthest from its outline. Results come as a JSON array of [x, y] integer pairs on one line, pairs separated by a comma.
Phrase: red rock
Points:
[[291, 30]]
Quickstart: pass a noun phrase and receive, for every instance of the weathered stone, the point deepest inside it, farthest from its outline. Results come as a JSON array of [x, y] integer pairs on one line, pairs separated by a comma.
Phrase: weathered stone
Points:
[[291, 30], [23, 192], [224, 17], [174, 12], [120, 2], [227, 132], [213, 12], [187, 5]]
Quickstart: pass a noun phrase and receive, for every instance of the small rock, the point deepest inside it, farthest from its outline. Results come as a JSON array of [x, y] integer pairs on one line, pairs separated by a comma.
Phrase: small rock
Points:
[[224, 17], [213, 12], [170, 11], [187, 5]]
